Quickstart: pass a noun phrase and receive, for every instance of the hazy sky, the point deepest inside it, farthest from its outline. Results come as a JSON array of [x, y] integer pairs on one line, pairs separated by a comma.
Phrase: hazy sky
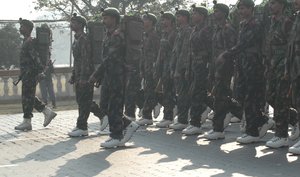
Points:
[[14, 9]]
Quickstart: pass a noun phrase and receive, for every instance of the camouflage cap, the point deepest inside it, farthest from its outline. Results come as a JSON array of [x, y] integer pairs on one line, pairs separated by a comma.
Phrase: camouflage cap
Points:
[[222, 7], [182, 12], [111, 11], [78, 19], [150, 16], [200, 9], [26, 23], [247, 3], [168, 15]]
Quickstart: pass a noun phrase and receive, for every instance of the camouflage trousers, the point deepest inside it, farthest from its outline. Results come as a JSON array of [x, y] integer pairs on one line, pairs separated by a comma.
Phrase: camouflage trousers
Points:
[[250, 89], [167, 97], [149, 95], [277, 97], [47, 91], [183, 100], [222, 94], [29, 100], [133, 94], [84, 98], [198, 94], [114, 100]]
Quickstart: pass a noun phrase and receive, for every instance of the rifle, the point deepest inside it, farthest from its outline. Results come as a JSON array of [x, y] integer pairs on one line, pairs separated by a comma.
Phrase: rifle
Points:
[[16, 82]]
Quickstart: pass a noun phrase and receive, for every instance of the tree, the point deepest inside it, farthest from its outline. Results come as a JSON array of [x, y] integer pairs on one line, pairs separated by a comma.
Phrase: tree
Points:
[[10, 44], [90, 8]]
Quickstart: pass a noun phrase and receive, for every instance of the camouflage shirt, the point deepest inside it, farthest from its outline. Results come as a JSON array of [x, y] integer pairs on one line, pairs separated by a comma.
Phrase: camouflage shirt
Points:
[[181, 48], [165, 53], [293, 59], [150, 52], [30, 64], [113, 63], [278, 40], [83, 64]]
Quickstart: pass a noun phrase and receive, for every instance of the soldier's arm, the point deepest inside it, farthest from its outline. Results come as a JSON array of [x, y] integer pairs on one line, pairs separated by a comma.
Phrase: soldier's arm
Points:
[[185, 50], [34, 55], [85, 50]]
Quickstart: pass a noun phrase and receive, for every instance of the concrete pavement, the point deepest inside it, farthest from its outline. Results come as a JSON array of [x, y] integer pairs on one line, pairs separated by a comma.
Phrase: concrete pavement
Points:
[[151, 152]]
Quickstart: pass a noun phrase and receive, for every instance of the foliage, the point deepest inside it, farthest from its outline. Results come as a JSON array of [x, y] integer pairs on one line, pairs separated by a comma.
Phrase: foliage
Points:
[[10, 43]]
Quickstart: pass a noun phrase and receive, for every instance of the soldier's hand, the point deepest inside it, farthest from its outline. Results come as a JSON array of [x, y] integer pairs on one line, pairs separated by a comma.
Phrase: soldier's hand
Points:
[[41, 76]]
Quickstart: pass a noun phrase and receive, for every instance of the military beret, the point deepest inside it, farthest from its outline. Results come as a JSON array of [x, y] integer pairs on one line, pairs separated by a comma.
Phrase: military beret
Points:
[[27, 23], [247, 3], [182, 12], [111, 11], [222, 7], [168, 15], [78, 19], [200, 9], [150, 16]]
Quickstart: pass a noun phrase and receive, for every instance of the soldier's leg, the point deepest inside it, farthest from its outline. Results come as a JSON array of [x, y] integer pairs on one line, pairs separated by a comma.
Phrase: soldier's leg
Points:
[[183, 101], [28, 96], [84, 97], [150, 97], [51, 91], [131, 93], [168, 98], [44, 90]]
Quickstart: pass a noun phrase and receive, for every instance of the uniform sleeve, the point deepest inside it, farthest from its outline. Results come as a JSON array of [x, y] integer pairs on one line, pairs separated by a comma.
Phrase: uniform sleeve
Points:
[[185, 50], [34, 55], [85, 50]]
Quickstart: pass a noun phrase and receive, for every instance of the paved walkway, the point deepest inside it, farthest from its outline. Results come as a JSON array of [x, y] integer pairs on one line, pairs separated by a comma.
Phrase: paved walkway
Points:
[[151, 152]]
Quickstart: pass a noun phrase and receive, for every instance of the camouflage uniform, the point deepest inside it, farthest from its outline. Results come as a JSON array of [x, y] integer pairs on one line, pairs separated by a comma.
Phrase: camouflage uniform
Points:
[[179, 66], [167, 99], [150, 52], [30, 67], [112, 73], [277, 87], [250, 83], [224, 38], [200, 52], [83, 68], [293, 62]]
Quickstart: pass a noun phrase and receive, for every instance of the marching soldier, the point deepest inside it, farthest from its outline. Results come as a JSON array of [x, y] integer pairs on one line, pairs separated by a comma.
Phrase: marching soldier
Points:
[[112, 73], [31, 70], [162, 71]]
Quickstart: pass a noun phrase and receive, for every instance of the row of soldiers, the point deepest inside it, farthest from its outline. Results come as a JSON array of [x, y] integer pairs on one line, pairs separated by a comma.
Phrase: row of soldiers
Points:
[[191, 67]]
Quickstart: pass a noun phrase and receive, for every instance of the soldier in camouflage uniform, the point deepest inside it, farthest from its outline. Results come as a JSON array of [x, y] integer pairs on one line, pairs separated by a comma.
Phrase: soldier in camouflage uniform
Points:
[[112, 73], [179, 66], [163, 68], [83, 68], [31, 70], [293, 67], [278, 87], [224, 38], [150, 52], [197, 68], [248, 51]]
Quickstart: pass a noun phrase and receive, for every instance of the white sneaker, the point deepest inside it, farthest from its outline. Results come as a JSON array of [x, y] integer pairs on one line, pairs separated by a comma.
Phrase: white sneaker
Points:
[[128, 132], [164, 123], [246, 139], [76, 132], [295, 149], [110, 143], [212, 135], [178, 126], [277, 142], [104, 123], [227, 119], [143, 122], [295, 132], [140, 114], [49, 115], [192, 130], [263, 130], [156, 111], [211, 115], [235, 120], [25, 125], [204, 115]]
